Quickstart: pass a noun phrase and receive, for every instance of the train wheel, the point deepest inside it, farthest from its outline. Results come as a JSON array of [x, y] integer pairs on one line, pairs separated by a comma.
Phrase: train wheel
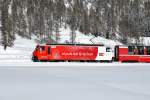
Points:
[[112, 60], [97, 61], [35, 59]]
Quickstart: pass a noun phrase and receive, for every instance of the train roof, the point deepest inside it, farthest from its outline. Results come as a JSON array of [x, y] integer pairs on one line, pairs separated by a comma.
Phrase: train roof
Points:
[[131, 45], [78, 44]]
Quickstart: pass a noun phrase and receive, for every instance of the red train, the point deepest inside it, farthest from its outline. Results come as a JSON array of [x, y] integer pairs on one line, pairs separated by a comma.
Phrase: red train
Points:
[[82, 52]]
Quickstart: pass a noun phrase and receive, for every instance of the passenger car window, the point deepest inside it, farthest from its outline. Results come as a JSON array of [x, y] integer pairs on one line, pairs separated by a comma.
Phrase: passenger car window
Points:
[[131, 50], [140, 50], [148, 50]]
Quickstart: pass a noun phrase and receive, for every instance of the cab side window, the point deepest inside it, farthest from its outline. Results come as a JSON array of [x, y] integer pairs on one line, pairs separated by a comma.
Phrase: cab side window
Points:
[[108, 49]]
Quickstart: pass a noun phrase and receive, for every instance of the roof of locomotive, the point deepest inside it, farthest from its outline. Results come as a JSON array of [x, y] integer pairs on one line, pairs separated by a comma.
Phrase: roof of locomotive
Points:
[[78, 44]]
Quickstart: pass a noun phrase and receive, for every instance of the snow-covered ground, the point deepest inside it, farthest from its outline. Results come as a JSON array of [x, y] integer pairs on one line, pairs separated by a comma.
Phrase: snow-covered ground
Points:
[[22, 50], [74, 81]]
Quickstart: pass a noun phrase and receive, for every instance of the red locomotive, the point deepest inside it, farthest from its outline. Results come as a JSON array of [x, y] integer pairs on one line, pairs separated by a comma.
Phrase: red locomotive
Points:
[[132, 53], [78, 52]]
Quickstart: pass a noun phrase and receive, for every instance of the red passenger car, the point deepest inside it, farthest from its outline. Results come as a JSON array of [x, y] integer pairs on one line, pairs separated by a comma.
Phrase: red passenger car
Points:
[[78, 52], [132, 53]]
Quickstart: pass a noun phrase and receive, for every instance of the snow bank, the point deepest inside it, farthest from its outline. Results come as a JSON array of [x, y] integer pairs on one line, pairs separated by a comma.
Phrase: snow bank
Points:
[[86, 39], [22, 50]]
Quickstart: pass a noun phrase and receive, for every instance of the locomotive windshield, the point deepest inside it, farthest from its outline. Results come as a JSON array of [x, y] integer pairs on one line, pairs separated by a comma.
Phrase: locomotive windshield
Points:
[[40, 48]]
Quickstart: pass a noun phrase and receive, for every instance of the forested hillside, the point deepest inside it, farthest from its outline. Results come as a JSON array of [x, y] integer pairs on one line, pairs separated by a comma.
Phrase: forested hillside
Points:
[[44, 18]]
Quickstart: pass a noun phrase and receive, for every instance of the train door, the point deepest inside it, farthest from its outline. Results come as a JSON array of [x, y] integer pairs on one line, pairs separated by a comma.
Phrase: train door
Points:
[[116, 53], [48, 52]]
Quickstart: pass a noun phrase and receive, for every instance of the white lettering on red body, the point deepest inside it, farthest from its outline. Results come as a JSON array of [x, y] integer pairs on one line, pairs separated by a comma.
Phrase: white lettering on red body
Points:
[[76, 54]]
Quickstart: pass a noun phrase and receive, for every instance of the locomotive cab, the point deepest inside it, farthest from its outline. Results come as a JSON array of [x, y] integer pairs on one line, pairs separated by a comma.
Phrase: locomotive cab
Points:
[[41, 52]]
